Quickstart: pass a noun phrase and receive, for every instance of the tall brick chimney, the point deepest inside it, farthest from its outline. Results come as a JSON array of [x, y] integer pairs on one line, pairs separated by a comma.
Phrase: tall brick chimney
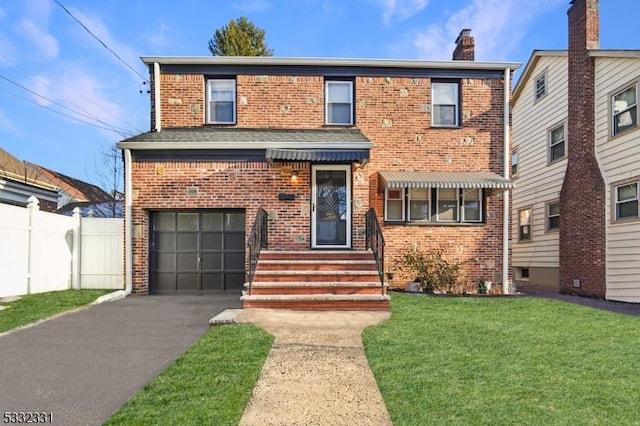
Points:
[[582, 198], [465, 46]]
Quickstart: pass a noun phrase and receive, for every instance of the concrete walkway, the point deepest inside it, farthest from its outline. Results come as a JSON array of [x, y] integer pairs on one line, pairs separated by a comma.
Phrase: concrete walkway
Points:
[[84, 365], [316, 372]]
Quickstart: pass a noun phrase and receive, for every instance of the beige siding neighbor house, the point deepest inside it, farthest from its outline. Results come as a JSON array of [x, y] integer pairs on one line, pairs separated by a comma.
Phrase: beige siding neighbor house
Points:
[[576, 164]]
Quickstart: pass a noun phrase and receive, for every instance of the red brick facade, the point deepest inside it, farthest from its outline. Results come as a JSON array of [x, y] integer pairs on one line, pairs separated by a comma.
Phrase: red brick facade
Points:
[[582, 199], [392, 112]]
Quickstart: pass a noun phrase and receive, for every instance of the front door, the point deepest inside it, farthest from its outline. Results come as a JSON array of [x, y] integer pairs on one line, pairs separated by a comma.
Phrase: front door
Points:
[[331, 206]]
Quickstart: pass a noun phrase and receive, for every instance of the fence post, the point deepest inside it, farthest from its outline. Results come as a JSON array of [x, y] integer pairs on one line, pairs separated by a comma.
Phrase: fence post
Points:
[[76, 250], [33, 207]]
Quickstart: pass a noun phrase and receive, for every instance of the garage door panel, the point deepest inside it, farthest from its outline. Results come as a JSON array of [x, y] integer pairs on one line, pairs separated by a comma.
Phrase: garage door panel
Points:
[[166, 241], [212, 281], [212, 261], [234, 222], [188, 221], [211, 241], [234, 261], [164, 221], [188, 281], [165, 282], [187, 261], [188, 241], [234, 241], [234, 281], [165, 262], [212, 222]]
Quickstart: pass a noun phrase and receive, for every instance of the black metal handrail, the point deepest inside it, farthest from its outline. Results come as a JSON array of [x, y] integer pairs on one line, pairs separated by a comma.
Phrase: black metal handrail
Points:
[[258, 240], [375, 241]]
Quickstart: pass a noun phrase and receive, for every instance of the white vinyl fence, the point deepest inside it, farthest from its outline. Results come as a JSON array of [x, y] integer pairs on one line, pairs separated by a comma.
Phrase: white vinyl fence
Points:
[[41, 251]]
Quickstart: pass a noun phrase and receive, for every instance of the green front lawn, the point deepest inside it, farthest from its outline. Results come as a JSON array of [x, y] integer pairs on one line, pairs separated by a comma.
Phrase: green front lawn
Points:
[[505, 361], [209, 385], [35, 307]]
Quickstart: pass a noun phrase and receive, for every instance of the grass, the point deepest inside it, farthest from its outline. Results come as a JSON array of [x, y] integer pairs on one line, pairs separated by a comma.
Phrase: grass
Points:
[[505, 361], [35, 307], [209, 385]]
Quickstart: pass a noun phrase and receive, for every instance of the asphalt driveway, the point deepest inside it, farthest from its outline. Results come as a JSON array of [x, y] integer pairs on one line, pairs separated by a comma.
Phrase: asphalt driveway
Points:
[[83, 366]]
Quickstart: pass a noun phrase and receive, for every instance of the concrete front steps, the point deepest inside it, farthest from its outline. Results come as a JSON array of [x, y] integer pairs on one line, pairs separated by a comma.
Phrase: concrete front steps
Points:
[[317, 280]]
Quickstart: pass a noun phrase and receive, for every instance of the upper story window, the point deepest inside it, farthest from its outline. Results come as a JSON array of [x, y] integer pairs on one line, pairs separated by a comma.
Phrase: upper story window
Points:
[[556, 144], [540, 85], [339, 102], [221, 100], [429, 205], [553, 216], [514, 163], [624, 110], [445, 104], [524, 225], [627, 201]]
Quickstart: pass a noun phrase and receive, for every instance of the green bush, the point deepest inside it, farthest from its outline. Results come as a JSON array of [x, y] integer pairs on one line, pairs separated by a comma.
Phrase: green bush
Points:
[[431, 270]]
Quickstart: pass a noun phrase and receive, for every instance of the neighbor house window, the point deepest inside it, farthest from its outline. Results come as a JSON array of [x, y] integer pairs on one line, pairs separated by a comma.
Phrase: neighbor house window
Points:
[[471, 205], [540, 85], [339, 102], [556, 144], [627, 201], [514, 163], [445, 104], [431, 205], [394, 204], [553, 216], [522, 273], [524, 225], [624, 110], [221, 98], [419, 207]]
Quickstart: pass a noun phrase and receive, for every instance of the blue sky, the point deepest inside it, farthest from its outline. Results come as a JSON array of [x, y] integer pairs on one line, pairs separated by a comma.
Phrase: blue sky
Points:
[[49, 62]]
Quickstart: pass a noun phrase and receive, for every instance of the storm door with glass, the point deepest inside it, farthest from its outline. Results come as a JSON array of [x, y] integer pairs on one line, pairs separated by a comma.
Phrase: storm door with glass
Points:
[[331, 206]]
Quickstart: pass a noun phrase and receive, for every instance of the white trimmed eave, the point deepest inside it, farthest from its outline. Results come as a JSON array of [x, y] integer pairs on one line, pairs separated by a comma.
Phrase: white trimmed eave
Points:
[[326, 62], [136, 146]]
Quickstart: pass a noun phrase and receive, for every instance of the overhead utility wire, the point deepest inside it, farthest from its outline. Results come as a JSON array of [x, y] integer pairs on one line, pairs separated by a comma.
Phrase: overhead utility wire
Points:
[[58, 103], [123, 134], [88, 114], [100, 41]]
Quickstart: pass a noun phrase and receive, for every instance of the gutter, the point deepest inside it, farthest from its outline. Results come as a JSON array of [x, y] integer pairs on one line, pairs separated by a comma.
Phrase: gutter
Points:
[[505, 194], [156, 96]]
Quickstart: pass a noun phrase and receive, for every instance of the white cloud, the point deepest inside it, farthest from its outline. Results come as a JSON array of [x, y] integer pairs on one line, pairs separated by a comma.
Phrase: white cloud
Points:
[[498, 27], [400, 10], [43, 42], [253, 6]]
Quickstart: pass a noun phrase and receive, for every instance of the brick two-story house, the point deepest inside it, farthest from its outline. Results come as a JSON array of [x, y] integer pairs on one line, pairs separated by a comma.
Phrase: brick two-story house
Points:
[[316, 144]]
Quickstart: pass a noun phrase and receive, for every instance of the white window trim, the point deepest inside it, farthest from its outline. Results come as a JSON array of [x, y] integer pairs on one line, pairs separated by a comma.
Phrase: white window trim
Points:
[[457, 220], [208, 108], [617, 201], [550, 144], [428, 200], [463, 219], [549, 216], [456, 105], [613, 114], [327, 83], [541, 76], [530, 223], [386, 203]]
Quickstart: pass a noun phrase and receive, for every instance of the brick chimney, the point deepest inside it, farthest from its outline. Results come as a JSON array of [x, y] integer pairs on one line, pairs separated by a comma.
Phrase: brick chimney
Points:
[[465, 46], [582, 199]]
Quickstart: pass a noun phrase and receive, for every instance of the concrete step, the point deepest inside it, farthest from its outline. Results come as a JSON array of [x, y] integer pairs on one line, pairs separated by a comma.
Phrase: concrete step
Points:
[[319, 302], [315, 276], [316, 255], [320, 287], [317, 265]]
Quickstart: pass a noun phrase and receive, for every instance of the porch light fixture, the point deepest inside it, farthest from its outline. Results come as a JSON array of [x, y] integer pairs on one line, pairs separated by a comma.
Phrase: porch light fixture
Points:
[[294, 175]]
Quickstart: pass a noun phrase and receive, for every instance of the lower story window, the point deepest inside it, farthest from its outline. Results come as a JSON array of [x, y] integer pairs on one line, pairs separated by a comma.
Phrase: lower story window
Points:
[[524, 225], [627, 200], [442, 205], [553, 216]]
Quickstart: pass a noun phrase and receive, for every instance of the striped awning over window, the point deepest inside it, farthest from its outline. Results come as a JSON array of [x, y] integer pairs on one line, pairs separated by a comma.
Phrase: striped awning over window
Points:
[[320, 155], [391, 179]]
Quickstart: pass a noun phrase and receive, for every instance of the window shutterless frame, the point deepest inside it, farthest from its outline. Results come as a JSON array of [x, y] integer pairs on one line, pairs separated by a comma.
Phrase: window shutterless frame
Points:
[[471, 205], [514, 163], [221, 101], [445, 103], [627, 201], [540, 86], [524, 224], [338, 95], [557, 142], [553, 216], [419, 204], [394, 205], [448, 205], [624, 110]]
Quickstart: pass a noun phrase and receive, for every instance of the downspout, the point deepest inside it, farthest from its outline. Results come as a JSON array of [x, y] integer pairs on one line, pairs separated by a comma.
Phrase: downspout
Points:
[[128, 230], [505, 194], [156, 96]]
